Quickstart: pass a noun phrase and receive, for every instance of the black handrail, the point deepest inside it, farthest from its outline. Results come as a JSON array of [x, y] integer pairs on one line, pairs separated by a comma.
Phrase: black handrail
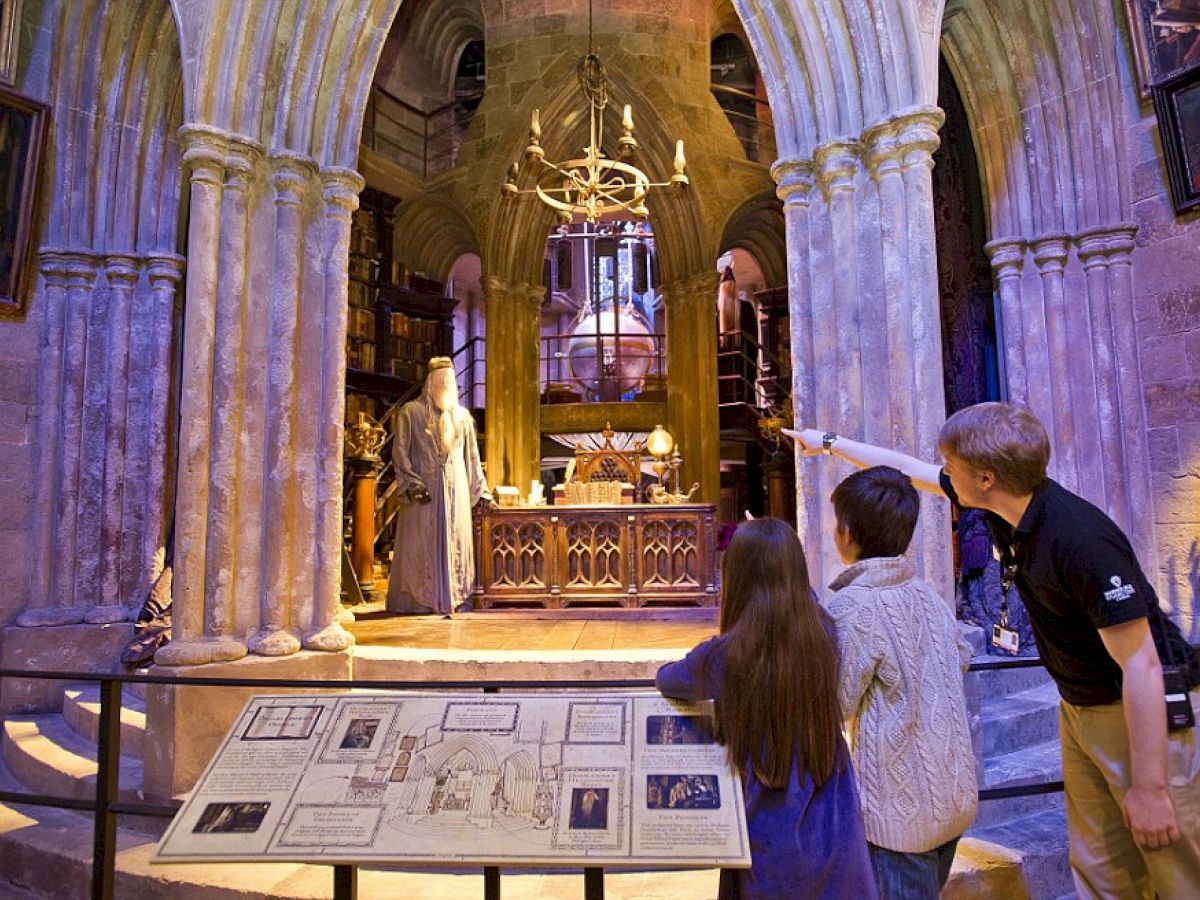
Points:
[[106, 806]]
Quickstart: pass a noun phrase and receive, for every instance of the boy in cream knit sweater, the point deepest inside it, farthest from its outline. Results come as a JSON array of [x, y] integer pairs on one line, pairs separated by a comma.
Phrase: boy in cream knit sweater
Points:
[[901, 689]]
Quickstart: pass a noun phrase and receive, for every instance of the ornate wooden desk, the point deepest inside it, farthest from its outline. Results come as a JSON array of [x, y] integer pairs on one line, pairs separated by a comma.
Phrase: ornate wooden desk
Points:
[[629, 555]]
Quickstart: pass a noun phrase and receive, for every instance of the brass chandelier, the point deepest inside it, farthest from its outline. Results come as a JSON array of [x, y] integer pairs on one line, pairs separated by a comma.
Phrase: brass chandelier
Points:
[[593, 185]]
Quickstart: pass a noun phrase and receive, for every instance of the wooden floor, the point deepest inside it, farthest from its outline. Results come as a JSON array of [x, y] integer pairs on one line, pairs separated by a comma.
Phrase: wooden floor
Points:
[[520, 631]]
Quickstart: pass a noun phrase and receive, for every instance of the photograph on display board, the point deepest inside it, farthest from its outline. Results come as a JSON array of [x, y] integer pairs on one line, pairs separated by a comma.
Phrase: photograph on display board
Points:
[[682, 792], [231, 818], [589, 808], [679, 730]]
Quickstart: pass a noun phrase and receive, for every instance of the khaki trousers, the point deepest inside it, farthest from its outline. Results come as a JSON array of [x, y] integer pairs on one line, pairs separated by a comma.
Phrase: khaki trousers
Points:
[[1105, 860]]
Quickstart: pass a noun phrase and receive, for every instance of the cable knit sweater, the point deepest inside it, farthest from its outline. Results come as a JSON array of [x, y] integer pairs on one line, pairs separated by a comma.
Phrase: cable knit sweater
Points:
[[901, 690]]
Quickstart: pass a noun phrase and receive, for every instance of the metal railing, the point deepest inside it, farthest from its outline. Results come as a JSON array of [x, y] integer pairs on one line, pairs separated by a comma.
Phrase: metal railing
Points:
[[750, 117], [106, 805], [426, 143]]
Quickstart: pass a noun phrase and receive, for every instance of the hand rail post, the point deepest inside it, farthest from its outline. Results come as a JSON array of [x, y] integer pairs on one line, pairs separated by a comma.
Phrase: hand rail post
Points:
[[491, 883], [345, 883], [593, 883], [108, 759]]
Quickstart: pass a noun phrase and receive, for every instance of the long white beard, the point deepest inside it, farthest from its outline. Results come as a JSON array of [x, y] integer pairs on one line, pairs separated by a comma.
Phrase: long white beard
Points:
[[445, 427]]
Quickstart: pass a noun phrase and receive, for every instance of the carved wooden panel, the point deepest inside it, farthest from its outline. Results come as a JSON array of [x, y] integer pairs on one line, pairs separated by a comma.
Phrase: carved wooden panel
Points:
[[629, 555], [593, 552], [671, 553]]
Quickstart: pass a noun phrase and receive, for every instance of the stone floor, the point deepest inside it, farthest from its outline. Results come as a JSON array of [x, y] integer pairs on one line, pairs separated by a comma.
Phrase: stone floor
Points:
[[522, 630]]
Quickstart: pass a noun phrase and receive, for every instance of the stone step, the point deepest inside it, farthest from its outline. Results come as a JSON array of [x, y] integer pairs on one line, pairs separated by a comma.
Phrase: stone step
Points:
[[1020, 720], [48, 757], [1038, 764], [986, 685], [1041, 842], [81, 711]]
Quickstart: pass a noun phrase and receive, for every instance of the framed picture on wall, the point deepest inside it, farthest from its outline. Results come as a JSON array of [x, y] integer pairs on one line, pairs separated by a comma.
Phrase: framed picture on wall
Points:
[[1177, 103], [22, 132], [1166, 38], [10, 15]]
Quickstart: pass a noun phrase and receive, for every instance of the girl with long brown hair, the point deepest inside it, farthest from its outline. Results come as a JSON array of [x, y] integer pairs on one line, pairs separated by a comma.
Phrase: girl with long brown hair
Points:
[[772, 672]]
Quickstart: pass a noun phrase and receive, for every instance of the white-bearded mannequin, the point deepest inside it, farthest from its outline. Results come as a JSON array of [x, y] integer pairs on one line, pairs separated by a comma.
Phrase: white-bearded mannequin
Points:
[[439, 479]]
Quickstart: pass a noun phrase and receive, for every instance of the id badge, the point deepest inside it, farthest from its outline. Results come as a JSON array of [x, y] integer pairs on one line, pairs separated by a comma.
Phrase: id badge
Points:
[[1006, 639]]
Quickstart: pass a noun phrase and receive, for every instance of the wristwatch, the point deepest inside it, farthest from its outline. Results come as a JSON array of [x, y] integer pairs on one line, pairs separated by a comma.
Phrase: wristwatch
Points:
[[827, 440]]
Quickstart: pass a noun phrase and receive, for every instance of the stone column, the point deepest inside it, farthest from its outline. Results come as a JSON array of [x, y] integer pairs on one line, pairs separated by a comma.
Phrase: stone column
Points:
[[165, 271], [204, 154], [917, 139], [340, 189], [81, 279], [291, 177], [795, 180], [692, 415], [1129, 390], [836, 167], [123, 273], [89, 523], [1050, 255], [221, 564], [1110, 492], [1008, 257], [513, 424], [41, 609], [884, 152]]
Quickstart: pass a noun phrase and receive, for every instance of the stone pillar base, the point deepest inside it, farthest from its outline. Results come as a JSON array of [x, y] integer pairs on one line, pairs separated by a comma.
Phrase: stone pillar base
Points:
[[40, 618], [65, 648], [106, 615], [198, 653], [185, 724], [331, 639]]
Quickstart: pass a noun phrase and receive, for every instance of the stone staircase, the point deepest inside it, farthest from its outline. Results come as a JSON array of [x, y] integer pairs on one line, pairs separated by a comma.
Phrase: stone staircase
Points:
[[55, 752], [1016, 711]]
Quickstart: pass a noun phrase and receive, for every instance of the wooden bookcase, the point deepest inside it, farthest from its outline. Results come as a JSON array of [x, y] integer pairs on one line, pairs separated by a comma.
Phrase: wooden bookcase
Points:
[[395, 322]]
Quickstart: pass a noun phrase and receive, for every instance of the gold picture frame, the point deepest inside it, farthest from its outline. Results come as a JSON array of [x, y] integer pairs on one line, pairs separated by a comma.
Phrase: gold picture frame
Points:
[[10, 16], [22, 135], [1166, 40]]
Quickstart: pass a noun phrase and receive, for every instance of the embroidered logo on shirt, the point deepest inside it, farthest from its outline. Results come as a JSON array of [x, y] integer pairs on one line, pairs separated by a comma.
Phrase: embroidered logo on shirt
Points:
[[1119, 591]]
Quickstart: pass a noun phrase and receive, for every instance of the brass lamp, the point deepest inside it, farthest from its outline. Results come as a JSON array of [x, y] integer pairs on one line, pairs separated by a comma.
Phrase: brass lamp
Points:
[[659, 445]]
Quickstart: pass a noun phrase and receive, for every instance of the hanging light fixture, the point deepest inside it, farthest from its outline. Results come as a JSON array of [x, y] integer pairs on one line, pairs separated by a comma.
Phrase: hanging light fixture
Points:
[[592, 185]]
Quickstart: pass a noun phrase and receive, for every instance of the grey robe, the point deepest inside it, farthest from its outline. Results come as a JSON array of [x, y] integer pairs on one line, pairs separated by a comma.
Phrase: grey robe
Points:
[[433, 566]]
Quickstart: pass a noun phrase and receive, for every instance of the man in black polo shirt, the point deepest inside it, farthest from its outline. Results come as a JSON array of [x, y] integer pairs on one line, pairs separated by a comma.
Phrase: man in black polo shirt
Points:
[[1132, 788]]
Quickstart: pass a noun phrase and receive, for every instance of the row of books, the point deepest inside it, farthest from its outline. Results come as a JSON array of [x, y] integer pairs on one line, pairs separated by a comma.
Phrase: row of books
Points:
[[423, 330], [360, 323], [361, 355]]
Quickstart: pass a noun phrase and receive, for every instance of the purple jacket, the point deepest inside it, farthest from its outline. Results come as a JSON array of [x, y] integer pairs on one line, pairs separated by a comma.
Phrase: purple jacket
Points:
[[806, 842]]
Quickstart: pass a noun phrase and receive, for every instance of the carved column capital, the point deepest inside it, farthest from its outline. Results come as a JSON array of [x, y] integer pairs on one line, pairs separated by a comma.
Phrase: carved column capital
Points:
[[204, 151], [1105, 245], [52, 262], [836, 165], [80, 266], [794, 180], [291, 174], [1050, 252], [918, 136], [164, 269], [1007, 256], [340, 188], [883, 151], [494, 285], [123, 270]]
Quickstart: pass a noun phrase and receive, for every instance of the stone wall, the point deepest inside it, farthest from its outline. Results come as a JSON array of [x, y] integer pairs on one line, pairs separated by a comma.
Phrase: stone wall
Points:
[[18, 425], [1166, 267]]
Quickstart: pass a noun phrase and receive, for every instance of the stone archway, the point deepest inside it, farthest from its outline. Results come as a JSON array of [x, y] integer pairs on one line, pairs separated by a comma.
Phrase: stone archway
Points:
[[852, 87], [105, 300], [1046, 116]]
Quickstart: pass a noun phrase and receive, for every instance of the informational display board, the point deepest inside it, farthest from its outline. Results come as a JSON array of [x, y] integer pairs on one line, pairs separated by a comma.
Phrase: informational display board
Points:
[[627, 779]]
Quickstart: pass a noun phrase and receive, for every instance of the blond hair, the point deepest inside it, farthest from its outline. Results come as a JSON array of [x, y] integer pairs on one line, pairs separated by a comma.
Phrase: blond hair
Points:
[[1002, 438]]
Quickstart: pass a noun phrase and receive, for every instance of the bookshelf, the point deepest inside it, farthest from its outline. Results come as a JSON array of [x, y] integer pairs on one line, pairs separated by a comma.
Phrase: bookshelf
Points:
[[395, 321]]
